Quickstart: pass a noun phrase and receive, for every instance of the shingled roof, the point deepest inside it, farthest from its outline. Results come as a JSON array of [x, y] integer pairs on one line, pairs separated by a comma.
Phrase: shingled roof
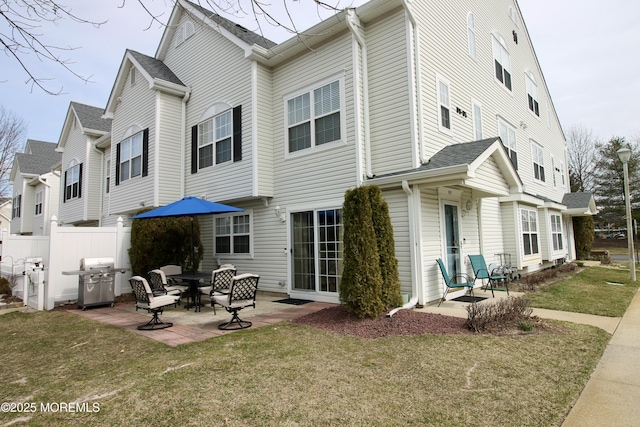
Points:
[[91, 117], [156, 68], [577, 200], [41, 158], [237, 30]]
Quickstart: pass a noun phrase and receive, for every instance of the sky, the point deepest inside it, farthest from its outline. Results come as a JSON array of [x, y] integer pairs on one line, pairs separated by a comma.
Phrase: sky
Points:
[[588, 51]]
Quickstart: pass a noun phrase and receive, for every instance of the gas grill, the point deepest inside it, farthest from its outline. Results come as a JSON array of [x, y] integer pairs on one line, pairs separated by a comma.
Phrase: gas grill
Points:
[[95, 281]]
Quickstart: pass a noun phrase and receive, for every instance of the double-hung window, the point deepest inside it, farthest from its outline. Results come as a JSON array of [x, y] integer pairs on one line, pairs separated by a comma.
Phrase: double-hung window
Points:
[[444, 105], [215, 137], [314, 117], [556, 232], [501, 60], [15, 206], [476, 108], [538, 162], [529, 223], [233, 234], [38, 203], [532, 94], [73, 181], [471, 35], [508, 135], [130, 151]]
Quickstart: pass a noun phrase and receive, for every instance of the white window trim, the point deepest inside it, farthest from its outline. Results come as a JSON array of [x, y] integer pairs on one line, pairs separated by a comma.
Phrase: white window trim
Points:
[[477, 133], [442, 80], [309, 89], [214, 141], [562, 175], [504, 50], [537, 157], [15, 206], [554, 178], [514, 17], [530, 232], [509, 145], [532, 91], [38, 195], [471, 36], [232, 255], [72, 165], [553, 234], [131, 158]]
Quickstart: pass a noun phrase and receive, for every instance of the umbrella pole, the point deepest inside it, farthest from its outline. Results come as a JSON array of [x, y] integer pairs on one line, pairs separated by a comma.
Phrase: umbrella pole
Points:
[[193, 258]]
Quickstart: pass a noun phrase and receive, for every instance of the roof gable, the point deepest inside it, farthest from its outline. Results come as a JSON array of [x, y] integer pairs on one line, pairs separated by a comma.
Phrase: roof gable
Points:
[[154, 71], [39, 157], [88, 118], [236, 33]]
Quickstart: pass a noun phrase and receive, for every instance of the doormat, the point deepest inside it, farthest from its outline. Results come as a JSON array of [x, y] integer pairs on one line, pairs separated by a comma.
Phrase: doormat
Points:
[[293, 301], [468, 298]]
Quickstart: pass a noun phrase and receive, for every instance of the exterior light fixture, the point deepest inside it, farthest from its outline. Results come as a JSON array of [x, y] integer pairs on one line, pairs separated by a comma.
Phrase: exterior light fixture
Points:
[[624, 154]]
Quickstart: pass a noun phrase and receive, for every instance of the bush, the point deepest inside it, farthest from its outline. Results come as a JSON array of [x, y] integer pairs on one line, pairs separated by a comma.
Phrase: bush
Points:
[[361, 283], [495, 316], [161, 241], [5, 287]]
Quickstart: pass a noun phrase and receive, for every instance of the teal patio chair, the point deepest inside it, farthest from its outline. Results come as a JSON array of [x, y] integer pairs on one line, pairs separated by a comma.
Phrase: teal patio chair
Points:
[[480, 271], [453, 283]]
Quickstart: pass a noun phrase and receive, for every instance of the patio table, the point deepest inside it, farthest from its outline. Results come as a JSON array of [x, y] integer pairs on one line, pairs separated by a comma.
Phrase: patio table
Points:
[[195, 280]]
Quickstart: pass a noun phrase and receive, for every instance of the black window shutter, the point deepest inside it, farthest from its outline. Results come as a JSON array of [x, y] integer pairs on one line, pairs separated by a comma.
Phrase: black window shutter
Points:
[[237, 133], [80, 181], [118, 164], [64, 193], [145, 152], [194, 149]]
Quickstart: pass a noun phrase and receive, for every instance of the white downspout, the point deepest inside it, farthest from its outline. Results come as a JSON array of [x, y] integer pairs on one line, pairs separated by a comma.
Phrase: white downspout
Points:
[[100, 206], [46, 205], [416, 282], [365, 89], [183, 140], [416, 50]]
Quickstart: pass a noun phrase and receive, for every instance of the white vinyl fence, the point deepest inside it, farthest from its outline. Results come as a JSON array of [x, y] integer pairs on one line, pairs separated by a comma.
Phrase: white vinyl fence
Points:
[[62, 251]]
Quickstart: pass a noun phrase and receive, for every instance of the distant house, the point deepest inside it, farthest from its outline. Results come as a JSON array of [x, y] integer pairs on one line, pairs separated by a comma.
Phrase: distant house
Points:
[[5, 213], [443, 106], [83, 165], [35, 188]]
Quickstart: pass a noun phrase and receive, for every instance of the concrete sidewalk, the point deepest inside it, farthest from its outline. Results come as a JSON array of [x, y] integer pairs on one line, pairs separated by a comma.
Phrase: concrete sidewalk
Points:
[[612, 395]]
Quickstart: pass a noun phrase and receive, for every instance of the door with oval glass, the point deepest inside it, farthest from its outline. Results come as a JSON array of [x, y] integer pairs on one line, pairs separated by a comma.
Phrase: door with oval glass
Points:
[[452, 238]]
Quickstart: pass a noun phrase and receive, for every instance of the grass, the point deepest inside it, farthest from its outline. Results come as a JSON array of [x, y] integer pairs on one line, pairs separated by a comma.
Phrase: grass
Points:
[[290, 375], [588, 292]]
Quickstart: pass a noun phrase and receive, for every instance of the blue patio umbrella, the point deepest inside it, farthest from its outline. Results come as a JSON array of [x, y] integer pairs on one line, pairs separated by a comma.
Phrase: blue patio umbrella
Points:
[[188, 206]]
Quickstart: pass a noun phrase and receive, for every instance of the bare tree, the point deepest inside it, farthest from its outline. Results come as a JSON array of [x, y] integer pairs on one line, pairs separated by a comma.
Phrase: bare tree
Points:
[[12, 129], [21, 24], [582, 158]]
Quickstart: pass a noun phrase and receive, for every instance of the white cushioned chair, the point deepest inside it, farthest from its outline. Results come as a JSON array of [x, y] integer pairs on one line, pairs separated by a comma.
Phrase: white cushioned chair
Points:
[[154, 304], [242, 294]]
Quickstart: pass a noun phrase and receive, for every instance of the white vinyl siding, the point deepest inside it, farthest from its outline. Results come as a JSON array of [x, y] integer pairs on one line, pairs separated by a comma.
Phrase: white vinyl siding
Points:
[[222, 74]]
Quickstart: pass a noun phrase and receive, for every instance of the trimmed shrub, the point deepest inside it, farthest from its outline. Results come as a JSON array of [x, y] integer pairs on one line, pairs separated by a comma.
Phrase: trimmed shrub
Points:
[[161, 241], [361, 283], [391, 296], [584, 232]]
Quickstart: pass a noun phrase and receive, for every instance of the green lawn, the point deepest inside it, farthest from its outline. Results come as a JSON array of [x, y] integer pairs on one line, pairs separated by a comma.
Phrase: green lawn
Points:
[[589, 292], [290, 375]]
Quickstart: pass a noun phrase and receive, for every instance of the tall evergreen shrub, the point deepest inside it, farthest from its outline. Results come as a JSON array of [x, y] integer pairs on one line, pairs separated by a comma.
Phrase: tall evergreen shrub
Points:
[[161, 241], [584, 232], [369, 283], [361, 282], [391, 295]]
